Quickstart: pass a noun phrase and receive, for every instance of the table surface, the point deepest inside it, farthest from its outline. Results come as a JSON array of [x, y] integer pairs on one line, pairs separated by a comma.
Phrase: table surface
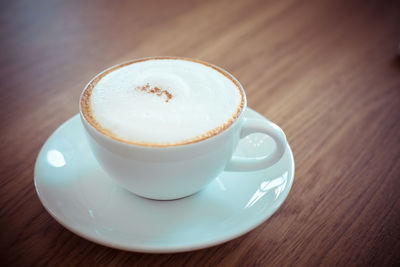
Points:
[[326, 71]]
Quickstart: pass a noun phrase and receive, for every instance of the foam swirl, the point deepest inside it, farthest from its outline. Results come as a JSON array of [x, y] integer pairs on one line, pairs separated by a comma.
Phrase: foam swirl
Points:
[[164, 101]]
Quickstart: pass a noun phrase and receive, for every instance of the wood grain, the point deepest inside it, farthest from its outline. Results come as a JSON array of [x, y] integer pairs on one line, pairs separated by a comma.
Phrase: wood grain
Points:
[[326, 71]]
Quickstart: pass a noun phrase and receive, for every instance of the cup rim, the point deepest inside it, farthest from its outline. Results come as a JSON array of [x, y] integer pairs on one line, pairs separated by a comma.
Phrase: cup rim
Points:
[[201, 138]]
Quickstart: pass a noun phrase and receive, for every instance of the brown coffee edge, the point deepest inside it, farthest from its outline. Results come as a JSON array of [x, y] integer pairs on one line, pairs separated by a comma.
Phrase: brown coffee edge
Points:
[[86, 105]]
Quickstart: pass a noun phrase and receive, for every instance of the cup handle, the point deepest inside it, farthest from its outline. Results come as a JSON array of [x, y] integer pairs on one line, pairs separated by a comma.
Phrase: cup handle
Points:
[[252, 164]]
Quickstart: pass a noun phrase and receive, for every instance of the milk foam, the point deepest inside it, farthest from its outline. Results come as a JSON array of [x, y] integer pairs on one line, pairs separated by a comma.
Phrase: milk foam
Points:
[[164, 101]]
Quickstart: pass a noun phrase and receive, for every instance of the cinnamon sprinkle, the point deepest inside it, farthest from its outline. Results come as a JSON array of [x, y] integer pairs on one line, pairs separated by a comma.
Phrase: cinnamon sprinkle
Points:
[[155, 90]]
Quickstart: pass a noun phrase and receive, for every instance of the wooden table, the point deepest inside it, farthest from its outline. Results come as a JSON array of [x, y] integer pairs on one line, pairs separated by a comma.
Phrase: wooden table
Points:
[[326, 71]]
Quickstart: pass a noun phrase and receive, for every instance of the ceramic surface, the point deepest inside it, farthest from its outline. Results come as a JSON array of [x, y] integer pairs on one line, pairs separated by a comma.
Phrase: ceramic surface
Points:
[[163, 172], [79, 195]]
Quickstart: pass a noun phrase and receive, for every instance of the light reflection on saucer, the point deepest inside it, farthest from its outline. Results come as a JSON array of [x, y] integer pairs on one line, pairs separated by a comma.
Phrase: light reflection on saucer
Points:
[[278, 184], [55, 158], [256, 140], [220, 184]]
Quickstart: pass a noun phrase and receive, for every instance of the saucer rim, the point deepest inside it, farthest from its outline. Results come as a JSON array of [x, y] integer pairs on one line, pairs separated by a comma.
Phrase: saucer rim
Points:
[[163, 249]]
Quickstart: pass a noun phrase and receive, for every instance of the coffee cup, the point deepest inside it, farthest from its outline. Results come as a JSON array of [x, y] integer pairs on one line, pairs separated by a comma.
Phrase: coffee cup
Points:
[[165, 127]]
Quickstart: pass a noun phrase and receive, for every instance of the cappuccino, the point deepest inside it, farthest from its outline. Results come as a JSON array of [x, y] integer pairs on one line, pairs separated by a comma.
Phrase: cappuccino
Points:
[[163, 101]]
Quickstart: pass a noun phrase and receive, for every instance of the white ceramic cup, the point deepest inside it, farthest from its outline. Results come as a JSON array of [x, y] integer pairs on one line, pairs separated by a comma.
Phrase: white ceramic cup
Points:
[[178, 171]]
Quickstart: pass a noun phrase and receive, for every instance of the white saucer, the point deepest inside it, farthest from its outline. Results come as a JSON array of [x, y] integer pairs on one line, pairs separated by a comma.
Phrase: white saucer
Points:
[[79, 195]]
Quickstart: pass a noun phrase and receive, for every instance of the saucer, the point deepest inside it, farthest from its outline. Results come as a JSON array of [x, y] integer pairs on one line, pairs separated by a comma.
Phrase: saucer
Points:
[[79, 195]]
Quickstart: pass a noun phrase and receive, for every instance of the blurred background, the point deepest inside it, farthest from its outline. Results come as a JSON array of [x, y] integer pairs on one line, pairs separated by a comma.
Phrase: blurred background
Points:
[[326, 71], [265, 44]]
